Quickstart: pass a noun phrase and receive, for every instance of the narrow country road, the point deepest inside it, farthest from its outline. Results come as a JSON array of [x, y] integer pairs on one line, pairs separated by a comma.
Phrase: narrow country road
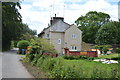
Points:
[[12, 67]]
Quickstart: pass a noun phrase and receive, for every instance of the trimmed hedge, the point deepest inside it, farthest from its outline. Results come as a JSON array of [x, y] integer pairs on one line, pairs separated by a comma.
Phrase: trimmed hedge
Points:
[[22, 45]]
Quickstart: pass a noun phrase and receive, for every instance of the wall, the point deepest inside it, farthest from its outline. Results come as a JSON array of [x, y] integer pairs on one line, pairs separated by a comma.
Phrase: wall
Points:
[[76, 41], [54, 40]]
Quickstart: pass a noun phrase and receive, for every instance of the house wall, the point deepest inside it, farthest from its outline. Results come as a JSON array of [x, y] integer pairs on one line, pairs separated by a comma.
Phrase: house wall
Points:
[[73, 41], [54, 40], [47, 31]]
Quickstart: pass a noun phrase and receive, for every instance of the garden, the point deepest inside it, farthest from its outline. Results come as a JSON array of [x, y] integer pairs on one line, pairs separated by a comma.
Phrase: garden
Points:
[[68, 66], [61, 67]]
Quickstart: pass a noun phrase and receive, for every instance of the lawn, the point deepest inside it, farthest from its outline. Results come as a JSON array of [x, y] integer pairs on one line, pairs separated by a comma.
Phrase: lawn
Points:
[[109, 56], [83, 68]]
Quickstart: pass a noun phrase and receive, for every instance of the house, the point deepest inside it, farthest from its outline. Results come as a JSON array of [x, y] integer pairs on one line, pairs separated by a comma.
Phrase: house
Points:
[[62, 35]]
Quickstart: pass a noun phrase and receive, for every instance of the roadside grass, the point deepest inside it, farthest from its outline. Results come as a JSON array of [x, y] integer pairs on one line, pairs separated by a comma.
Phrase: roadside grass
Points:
[[33, 70], [63, 68]]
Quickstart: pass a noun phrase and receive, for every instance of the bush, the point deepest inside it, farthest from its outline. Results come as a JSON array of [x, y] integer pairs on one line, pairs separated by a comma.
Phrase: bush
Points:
[[103, 48], [39, 45], [22, 45], [36, 57], [117, 50], [77, 57], [29, 57]]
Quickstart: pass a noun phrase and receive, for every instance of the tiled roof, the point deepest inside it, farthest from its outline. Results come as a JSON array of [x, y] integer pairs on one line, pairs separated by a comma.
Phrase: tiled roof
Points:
[[60, 26]]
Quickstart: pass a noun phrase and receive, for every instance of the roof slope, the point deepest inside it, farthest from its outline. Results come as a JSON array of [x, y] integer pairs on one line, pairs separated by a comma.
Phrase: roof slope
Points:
[[59, 26]]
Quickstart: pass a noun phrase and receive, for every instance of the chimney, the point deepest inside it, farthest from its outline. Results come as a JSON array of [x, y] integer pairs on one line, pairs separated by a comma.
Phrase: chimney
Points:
[[55, 19]]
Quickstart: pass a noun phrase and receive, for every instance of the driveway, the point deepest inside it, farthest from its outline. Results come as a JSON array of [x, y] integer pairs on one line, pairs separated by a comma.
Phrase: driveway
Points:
[[12, 67]]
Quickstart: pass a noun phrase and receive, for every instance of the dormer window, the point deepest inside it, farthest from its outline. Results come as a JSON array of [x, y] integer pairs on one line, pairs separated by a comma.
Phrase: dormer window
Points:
[[73, 35]]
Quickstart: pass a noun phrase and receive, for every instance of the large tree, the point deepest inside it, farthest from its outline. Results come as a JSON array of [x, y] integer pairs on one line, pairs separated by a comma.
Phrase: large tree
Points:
[[27, 33], [107, 34], [117, 24], [11, 23], [90, 23]]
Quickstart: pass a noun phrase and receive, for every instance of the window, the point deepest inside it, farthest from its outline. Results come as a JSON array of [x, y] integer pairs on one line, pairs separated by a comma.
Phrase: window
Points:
[[59, 41], [73, 35], [47, 35], [73, 48]]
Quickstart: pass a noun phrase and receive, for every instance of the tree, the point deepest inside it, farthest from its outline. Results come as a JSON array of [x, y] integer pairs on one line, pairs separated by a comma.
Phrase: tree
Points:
[[27, 33], [11, 23], [117, 24], [107, 34], [90, 23], [26, 29], [12, 26], [103, 48]]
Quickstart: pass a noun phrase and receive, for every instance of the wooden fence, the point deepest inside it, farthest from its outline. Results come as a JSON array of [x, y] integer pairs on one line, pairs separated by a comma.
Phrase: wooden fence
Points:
[[78, 53]]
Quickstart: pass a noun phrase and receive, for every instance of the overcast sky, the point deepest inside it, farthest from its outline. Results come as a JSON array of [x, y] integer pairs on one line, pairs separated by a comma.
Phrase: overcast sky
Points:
[[37, 13]]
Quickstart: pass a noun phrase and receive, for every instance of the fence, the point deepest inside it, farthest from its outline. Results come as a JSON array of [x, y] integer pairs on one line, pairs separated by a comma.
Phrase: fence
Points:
[[84, 53]]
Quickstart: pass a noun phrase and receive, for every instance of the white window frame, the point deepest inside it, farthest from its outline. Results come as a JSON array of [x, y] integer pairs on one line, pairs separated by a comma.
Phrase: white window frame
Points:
[[73, 36], [59, 41], [73, 48]]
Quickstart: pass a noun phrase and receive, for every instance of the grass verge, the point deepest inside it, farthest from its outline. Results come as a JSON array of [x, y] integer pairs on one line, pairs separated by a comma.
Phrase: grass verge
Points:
[[33, 70]]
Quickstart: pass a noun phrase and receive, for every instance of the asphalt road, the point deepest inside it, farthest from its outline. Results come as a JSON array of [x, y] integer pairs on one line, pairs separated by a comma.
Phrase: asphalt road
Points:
[[12, 67]]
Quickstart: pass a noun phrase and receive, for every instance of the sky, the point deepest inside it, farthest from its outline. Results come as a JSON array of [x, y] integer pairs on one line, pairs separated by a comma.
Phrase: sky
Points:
[[37, 13]]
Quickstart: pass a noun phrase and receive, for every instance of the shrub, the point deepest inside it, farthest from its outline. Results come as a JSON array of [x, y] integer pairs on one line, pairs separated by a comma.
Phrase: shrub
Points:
[[12, 44], [102, 48], [77, 57], [29, 57], [39, 45], [36, 57], [22, 45], [117, 50]]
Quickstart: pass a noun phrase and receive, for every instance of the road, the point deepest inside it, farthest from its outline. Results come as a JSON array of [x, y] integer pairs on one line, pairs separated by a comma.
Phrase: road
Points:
[[12, 67]]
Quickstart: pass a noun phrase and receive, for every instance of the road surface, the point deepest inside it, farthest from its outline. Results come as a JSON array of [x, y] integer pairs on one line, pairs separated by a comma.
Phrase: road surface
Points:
[[12, 67]]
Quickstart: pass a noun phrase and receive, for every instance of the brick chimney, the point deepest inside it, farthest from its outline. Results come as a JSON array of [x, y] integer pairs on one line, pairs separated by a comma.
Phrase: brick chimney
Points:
[[55, 19]]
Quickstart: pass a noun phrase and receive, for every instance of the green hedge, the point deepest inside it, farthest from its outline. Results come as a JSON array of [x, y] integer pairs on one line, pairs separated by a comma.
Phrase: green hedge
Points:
[[23, 44], [77, 57]]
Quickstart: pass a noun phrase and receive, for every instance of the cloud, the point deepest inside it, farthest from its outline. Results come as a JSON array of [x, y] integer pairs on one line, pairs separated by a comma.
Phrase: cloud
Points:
[[37, 13]]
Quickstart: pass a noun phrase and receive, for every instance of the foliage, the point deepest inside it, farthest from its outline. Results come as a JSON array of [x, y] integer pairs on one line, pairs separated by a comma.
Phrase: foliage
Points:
[[35, 58], [12, 44], [27, 36], [107, 34], [23, 44], [90, 23], [26, 30], [62, 68], [11, 23], [12, 26], [102, 48], [77, 57], [39, 45], [27, 33], [29, 57], [110, 56], [117, 50], [117, 24]]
